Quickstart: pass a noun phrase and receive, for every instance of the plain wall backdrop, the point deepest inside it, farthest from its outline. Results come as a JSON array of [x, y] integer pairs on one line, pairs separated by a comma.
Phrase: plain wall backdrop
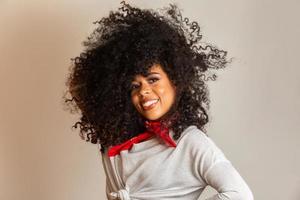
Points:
[[255, 103]]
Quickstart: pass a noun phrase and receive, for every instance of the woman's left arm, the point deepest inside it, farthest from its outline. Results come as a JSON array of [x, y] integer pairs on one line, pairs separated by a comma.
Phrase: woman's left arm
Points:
[[216, 170], [224, 178]]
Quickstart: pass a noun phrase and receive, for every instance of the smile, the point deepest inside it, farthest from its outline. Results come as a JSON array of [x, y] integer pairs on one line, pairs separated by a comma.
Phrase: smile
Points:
[[149, 104]]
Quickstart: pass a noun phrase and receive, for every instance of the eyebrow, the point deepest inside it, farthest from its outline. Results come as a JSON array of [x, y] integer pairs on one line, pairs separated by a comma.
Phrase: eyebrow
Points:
[[150, 73]]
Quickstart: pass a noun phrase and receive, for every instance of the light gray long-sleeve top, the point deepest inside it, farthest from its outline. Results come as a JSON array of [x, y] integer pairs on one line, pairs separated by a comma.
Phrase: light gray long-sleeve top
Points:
[[150, 170]]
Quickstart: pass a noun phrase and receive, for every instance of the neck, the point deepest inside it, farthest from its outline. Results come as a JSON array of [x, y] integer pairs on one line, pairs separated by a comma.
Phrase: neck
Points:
[[167, 120]]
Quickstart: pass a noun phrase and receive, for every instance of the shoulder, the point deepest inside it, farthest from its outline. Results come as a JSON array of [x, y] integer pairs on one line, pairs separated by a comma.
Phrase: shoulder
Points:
[[194, 136], [197, 142]]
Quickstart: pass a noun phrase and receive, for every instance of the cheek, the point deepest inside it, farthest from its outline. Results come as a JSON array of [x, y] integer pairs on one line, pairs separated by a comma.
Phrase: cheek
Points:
[[167, 94], [134, 100]]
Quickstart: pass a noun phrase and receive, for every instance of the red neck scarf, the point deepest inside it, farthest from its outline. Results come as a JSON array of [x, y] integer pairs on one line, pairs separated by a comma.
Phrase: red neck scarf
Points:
[[152, 128]]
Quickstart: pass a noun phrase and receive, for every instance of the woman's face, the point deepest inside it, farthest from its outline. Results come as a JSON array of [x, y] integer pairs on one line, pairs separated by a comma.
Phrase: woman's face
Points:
[[154, 94]]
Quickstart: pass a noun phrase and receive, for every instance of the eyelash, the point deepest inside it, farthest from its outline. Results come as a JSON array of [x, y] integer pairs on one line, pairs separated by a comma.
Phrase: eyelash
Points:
[[135, 86], [154, 79]]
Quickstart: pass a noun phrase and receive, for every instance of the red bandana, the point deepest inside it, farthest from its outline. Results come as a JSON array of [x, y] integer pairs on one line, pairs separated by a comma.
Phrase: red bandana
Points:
[[153, 128]]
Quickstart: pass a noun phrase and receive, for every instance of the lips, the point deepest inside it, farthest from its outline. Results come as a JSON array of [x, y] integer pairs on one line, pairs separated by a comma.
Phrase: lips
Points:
[[149, 104]]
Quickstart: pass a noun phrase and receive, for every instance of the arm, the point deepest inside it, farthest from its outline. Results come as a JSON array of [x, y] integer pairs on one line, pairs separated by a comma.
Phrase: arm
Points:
[[224, 178], [217, 171]]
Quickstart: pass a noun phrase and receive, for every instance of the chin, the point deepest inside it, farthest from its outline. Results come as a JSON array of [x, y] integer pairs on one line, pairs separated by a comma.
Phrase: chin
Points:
[[152, 118]]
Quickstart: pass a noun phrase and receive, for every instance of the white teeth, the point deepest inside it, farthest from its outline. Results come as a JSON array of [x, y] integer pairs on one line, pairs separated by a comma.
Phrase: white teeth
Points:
[[148, 103]]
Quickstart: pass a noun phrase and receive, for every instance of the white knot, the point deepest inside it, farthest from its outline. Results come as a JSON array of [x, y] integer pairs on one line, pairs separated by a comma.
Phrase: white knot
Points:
[[121, 194]]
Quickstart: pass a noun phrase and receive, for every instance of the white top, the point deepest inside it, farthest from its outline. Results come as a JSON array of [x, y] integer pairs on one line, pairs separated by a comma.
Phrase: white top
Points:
[[150, 170]]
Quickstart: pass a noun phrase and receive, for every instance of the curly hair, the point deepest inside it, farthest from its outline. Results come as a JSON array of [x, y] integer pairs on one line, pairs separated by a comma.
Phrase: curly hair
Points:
[[126, 43]]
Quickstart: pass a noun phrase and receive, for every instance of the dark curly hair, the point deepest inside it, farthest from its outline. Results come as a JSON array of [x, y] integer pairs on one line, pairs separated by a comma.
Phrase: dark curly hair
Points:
[[126, 43]]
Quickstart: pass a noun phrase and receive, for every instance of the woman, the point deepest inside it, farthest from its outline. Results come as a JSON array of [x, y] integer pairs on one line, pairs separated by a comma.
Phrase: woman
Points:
[[140, 85]]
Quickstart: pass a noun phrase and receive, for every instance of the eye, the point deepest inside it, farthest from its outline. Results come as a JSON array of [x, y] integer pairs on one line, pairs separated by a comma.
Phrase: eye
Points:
[[153, 79], [134, 86]]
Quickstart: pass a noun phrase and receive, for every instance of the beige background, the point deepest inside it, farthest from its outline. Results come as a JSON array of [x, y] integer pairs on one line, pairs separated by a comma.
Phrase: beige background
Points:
[[255, 102]]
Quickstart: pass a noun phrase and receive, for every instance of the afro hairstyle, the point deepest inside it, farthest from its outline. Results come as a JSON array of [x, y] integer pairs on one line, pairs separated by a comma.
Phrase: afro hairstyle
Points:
[[126, 43]]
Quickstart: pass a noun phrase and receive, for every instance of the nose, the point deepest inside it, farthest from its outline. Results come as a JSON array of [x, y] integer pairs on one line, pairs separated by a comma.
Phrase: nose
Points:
[[145, 89]]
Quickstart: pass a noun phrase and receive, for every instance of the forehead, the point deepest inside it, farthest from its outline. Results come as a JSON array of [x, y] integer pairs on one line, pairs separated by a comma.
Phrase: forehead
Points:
[[154, 69]]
